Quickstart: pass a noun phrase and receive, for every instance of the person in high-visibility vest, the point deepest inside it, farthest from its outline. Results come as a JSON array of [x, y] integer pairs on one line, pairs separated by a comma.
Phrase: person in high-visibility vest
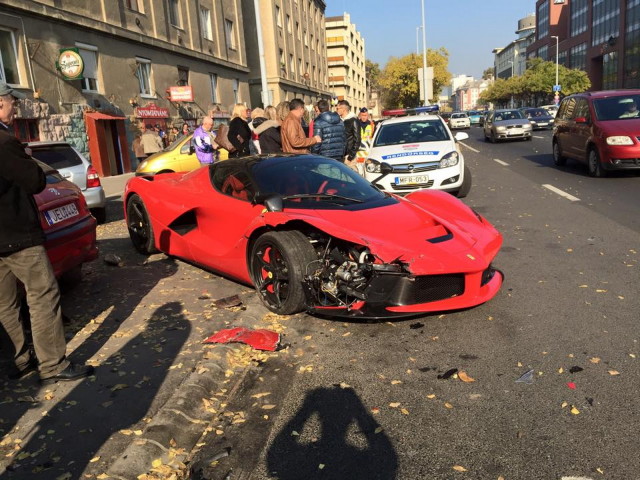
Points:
[[367, 127]]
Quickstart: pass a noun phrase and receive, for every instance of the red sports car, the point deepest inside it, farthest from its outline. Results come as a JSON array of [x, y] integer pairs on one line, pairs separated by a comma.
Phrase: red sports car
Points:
[[310, 233]]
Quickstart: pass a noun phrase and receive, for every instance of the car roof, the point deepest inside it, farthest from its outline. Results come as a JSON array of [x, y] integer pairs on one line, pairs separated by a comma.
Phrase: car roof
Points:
[[610, 93], [47, 144], [411, 118]]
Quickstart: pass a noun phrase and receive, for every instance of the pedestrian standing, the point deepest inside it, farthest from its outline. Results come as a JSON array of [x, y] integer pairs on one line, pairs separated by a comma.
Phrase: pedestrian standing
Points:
[[173, 135], [294, 139], [269, 131], [205, 146], [23, 258], [185, 129], [138, 151], [367, 127], [257, 117], [239, 132], [328, 126], [151, 142], [352, 131]]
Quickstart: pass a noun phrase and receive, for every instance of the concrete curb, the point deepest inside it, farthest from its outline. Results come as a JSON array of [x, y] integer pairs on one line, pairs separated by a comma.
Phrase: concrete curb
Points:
[[182, 420]]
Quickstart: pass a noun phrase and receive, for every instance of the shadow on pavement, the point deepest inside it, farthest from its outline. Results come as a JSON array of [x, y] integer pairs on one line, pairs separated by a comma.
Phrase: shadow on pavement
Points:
[[68, 438], [336, 438]]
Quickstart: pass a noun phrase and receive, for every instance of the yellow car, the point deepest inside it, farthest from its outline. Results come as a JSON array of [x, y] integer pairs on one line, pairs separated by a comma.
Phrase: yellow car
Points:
[[177, 157]]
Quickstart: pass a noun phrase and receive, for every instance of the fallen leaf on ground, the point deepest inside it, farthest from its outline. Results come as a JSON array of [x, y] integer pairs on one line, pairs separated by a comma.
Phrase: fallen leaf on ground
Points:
[[377, 430], [260, 395], [614, 372], [268, 407], [404, 411], [395, 382], [465, 378], [448, 405], [574, 410], [431, 395], [459, 468], [394, 404], [594, 360], [94, 459]]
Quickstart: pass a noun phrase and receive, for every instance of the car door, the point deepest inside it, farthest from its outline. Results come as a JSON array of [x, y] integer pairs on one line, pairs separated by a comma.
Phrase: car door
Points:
[[563, 126], [187, 159], [581, 132]]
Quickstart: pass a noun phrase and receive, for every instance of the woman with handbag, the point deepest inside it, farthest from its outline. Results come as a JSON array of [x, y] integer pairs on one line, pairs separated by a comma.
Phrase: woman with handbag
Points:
[[239, 131]]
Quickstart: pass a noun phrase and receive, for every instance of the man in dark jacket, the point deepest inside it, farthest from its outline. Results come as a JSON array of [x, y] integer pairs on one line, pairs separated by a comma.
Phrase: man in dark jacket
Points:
[[328, 126], [23, 258], [352, 130]]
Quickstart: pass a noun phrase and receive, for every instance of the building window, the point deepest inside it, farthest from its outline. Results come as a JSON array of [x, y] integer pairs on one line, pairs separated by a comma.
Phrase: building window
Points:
[[174, 13], [292, 65], [135, 5], [579, 56], [89, 55], [283, 65], [8, 58], [562, 58], [606, 15], [183, 76], [26, 129], [278, 16], [542, 20], [632, 45], [288, 24], [543, 52], [143, 72], [579, 12], [298, 34], [229, 32], [236, 90], [609, 70], [214, 87], [205, 23]]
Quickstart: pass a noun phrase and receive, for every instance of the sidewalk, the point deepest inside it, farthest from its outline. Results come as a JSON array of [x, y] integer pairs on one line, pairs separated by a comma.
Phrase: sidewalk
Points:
[[114, 186]]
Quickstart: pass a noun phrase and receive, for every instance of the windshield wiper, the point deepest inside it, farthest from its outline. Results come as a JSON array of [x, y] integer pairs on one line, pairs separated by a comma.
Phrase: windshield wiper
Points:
[[325, 196]]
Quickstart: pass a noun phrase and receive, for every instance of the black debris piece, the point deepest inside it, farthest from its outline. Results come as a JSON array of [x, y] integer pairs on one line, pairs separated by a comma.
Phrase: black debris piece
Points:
[[415, 326], [232, 301], [576, 369], [448, 374]]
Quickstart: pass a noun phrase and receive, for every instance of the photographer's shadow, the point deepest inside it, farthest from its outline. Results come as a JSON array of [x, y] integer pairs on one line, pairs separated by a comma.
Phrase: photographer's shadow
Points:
[[332, 436]]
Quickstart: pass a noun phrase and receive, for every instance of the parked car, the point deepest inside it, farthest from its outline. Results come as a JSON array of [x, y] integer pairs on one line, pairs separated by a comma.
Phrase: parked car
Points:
[[474, 117], [446, 116], [177, 157], [506, 124], [73, 166], [539, 118], [552, 109], [484, 116], [600, 129], [459, 120], [69, 227], [422, 153], [305, 230]]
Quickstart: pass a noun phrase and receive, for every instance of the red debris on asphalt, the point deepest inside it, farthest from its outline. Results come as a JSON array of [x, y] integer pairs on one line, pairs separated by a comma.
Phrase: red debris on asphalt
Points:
[[258, 339], [571, 385]]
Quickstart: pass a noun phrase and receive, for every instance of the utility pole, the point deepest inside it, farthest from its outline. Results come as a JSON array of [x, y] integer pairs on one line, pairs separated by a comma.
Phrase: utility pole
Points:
[[263, 69], [424, 57]]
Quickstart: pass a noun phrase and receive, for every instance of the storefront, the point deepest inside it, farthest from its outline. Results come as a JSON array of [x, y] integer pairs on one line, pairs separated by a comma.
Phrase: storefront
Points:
[[153, 115], [107, 141]]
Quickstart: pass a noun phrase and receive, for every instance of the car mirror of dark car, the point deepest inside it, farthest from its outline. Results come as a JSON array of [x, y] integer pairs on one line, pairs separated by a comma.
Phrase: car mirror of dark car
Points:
[[581, 119], [271, 201], [192, 149]]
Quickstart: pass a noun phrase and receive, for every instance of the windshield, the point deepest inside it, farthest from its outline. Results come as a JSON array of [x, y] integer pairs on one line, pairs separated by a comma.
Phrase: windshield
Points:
[[412, 132], [56, 156], [507, 115], [536, 112], [459, 115], [306, 182], [617, 108]]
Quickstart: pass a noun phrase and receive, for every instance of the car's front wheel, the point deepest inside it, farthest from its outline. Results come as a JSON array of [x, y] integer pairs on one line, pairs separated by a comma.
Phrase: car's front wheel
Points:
[[278, 264], [139, 226], [595, 167], [466, 184], [558, 159]]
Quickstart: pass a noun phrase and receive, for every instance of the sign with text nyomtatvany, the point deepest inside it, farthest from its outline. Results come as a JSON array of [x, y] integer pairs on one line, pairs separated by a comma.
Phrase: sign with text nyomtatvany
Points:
[[152, 111]]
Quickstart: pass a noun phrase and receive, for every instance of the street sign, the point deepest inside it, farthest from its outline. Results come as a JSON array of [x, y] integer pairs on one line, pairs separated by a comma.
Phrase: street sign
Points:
[[556, 88]]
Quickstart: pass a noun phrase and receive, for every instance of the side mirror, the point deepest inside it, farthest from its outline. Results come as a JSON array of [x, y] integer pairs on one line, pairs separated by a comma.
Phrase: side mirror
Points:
[[581, 120], [192, 149], [385, 169], [460, 136], [271, 201]]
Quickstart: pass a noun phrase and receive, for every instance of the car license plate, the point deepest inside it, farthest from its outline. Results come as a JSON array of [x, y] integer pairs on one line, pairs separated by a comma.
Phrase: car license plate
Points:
[[412, 180], [514, 131], [59, 214], [543, 124]]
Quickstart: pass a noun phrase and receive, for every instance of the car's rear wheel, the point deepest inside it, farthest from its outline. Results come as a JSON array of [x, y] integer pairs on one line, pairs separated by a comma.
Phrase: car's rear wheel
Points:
[[558, 159], [139, 225], [466, 184], [100, 214], [595, 167], [278, 264]]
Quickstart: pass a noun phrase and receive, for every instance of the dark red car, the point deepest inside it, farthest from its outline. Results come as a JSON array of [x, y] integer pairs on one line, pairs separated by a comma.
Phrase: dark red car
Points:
[[601, 129], [69, 227], [310, 233]]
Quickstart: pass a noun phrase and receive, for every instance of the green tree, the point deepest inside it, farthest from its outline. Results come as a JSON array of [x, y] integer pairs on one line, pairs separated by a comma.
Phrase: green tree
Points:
[[373, 73], [399, 78], [488, 73]]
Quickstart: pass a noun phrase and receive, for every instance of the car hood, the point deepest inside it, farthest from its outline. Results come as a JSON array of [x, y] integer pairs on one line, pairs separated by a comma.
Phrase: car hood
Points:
[[412, 152], [630, 127]]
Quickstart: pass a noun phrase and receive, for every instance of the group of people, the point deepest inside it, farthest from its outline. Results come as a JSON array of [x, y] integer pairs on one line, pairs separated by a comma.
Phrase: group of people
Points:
[[153, 139], [336, 134]]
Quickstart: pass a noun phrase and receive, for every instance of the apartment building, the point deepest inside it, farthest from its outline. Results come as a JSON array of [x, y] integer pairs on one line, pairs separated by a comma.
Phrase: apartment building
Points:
[[601, 37], [511, 60], [346, 60], [294, 50], [94, 71]]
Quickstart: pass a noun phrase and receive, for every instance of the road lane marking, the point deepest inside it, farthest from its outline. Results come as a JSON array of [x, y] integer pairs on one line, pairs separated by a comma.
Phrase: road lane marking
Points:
[[561, 193], [501, 162], [538, 136], [470, 148]]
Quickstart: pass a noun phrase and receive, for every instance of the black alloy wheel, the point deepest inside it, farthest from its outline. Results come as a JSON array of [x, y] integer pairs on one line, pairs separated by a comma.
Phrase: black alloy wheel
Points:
[[595, 167], [558, 159], [278, 263], [139, 226]]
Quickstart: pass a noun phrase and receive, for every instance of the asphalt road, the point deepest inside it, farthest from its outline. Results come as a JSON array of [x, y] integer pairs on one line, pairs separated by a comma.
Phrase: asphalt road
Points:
[[364, 401]]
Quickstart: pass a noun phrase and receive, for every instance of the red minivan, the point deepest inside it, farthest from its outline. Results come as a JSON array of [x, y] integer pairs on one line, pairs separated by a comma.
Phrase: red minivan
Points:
[[600, 129]]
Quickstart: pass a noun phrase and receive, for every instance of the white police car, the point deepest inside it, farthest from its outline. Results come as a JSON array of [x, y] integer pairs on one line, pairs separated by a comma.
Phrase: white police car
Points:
[[422, 152]]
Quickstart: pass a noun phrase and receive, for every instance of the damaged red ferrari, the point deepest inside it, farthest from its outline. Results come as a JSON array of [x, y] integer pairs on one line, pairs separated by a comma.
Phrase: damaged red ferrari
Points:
[[311, 234]]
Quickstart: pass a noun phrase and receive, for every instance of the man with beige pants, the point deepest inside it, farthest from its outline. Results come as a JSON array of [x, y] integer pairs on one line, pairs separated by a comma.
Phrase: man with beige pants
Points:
[[23, 258]]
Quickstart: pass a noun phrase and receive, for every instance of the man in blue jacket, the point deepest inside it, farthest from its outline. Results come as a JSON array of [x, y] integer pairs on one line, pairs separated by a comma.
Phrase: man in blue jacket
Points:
[[328, 126], [23, 257]]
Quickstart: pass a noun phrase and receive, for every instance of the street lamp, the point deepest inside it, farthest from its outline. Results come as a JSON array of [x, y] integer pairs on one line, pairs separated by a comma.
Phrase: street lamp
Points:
[[424, 57], [418, 41], [511, 76], [557, 42]]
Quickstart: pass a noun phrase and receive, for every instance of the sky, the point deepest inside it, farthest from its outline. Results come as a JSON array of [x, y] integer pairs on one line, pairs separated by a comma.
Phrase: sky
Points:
[[468, 29]]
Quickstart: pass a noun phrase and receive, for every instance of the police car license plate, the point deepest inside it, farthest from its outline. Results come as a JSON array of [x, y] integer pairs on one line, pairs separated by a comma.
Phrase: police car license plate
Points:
[[59, 214], [412, 180]]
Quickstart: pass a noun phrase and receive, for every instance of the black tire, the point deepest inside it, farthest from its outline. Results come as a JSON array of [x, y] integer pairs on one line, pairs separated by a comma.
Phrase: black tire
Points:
[[558, 159], [528, 139], [493, 137], [484, 132], [466, 183], [100, 215], [277, 265], [594, 165], [139, 226]]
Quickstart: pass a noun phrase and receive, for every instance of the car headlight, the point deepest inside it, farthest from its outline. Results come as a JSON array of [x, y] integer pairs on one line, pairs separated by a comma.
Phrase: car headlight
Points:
[[372, 166], [501, 129], [619, 140], [451, 159], [527, 127]]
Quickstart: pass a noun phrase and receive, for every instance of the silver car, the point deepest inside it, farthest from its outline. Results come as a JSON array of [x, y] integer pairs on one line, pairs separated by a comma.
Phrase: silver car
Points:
[[75, 168], [506, 124]]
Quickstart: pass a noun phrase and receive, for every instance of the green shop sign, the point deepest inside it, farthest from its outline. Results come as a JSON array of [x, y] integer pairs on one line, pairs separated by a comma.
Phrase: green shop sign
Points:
[[70, 64]]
